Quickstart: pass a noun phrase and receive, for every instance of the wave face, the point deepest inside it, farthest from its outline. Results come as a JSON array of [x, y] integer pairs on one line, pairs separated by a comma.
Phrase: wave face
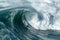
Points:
[[15, 24], [26, 23]]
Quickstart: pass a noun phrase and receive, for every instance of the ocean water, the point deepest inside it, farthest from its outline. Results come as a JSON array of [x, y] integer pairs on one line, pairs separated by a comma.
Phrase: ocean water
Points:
[[29, 20]]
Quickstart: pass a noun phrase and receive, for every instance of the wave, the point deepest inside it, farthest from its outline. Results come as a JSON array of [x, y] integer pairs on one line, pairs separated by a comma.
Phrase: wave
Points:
[[14, 25]]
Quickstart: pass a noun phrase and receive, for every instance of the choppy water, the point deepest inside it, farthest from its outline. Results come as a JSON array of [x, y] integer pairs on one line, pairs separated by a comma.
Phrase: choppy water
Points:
[[25, 22]]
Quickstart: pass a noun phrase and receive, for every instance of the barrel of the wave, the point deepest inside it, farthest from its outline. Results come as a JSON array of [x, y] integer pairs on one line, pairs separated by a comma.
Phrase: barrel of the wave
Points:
[[22, 26]]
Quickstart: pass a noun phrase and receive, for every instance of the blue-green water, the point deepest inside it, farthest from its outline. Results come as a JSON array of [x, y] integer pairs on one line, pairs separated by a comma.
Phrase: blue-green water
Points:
[[14, 24], [12, 27]]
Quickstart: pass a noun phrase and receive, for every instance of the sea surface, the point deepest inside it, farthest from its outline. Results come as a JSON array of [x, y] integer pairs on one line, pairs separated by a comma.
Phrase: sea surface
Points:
[[29, 20]]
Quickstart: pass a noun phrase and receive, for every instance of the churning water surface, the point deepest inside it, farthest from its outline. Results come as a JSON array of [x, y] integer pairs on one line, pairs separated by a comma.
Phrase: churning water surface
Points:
[[29, 20]]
